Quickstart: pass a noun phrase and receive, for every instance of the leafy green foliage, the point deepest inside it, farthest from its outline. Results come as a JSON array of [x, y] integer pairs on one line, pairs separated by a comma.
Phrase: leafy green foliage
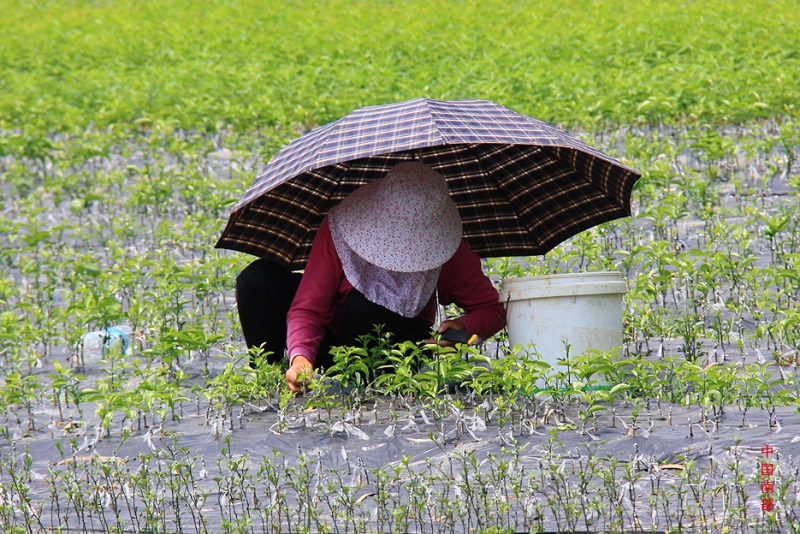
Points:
[[257, 65]]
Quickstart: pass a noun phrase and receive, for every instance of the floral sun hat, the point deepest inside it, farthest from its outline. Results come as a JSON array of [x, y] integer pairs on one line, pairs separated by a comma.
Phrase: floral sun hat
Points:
[[405, 222]]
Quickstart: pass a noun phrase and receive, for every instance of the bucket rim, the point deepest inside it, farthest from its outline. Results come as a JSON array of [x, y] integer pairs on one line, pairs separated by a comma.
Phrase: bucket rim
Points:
[[563, 277], [562, 285]]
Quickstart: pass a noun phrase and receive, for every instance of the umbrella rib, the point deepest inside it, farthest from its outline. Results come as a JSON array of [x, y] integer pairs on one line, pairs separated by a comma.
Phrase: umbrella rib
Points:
[[326, 203], [500, 187], [574, 153]]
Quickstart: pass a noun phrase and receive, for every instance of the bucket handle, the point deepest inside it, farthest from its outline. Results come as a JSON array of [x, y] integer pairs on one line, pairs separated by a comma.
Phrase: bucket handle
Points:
[[497, 348]]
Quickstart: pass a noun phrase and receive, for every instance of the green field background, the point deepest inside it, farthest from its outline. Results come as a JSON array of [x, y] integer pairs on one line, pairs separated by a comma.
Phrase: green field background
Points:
[[253, 64]]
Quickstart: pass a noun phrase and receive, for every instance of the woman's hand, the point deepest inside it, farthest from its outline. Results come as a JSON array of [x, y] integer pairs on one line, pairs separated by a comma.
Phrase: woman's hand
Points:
[[298, 373], [455, 324]]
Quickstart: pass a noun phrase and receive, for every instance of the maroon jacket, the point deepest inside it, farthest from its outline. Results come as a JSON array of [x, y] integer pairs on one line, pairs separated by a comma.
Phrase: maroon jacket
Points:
[[324, 288]]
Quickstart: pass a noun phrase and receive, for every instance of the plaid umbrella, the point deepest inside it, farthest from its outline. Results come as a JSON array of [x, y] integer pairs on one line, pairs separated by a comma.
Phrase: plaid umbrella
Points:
[[521, 186]]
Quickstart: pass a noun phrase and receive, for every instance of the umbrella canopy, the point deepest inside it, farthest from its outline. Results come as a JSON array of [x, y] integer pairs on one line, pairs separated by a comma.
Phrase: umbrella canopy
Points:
[[520, 185]]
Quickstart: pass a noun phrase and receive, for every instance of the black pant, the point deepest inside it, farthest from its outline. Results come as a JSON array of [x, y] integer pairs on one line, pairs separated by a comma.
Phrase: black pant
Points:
[[264, 294]]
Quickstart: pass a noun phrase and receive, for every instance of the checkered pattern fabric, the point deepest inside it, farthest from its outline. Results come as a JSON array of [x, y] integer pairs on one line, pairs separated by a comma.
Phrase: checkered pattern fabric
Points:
[[521, 186]]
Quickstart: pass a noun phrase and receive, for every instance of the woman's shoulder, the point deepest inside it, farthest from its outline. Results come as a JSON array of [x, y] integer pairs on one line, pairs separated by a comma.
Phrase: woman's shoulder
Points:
[[463, 258], [463, 250]]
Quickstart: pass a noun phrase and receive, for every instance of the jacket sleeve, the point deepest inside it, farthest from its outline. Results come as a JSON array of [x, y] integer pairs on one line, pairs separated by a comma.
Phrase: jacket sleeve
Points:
[[463, 283], [314, 304]]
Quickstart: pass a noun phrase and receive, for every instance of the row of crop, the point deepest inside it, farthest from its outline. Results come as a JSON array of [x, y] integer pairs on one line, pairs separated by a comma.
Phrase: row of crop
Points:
[[173, 491], [450, 389]]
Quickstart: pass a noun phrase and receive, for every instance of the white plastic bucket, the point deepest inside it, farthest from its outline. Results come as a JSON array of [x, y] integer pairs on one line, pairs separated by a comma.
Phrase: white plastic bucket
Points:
[[583, 309]]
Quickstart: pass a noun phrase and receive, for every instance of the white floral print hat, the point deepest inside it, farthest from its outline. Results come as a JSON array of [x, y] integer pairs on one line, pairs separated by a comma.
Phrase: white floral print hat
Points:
[[405, 222]]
